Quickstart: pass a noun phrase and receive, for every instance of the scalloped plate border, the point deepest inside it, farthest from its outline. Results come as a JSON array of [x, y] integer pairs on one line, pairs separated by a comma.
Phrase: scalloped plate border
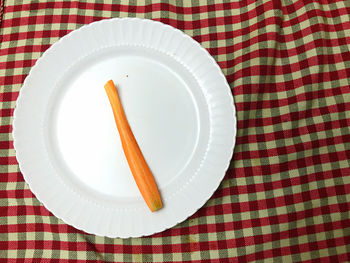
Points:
[[216, 162]]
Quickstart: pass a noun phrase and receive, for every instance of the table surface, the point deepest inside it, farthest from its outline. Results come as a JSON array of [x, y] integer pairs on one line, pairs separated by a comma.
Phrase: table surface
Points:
[[286, 196]]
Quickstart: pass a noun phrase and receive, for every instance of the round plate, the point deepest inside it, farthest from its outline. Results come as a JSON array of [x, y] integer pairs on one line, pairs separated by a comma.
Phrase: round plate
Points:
[[179, 107]]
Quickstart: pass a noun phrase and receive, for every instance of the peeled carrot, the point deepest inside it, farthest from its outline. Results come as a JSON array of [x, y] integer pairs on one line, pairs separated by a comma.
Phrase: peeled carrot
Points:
[[137, 163]]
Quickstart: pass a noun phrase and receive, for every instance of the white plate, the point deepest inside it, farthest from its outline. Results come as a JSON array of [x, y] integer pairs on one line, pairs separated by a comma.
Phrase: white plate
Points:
[[178, 104]]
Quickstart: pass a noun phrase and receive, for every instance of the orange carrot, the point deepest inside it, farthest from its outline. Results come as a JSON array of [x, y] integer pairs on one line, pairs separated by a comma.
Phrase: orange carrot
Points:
[[137, 163]]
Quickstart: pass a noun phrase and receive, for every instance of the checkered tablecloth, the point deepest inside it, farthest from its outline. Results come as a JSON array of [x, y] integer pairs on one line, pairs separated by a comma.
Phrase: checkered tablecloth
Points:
[[286, 196]]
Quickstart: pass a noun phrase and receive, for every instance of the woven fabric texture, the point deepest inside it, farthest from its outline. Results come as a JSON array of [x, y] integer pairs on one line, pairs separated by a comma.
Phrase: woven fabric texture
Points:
[[286, 195]]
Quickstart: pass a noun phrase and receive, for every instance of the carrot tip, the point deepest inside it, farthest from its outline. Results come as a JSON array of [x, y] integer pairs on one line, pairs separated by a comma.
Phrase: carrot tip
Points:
[[156, 205]]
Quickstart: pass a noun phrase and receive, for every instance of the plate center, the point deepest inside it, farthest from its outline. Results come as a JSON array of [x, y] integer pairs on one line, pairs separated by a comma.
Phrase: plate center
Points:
[[159, 106]]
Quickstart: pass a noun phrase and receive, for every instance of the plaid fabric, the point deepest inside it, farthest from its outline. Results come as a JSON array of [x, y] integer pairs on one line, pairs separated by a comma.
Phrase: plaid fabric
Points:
[[286, 196]]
